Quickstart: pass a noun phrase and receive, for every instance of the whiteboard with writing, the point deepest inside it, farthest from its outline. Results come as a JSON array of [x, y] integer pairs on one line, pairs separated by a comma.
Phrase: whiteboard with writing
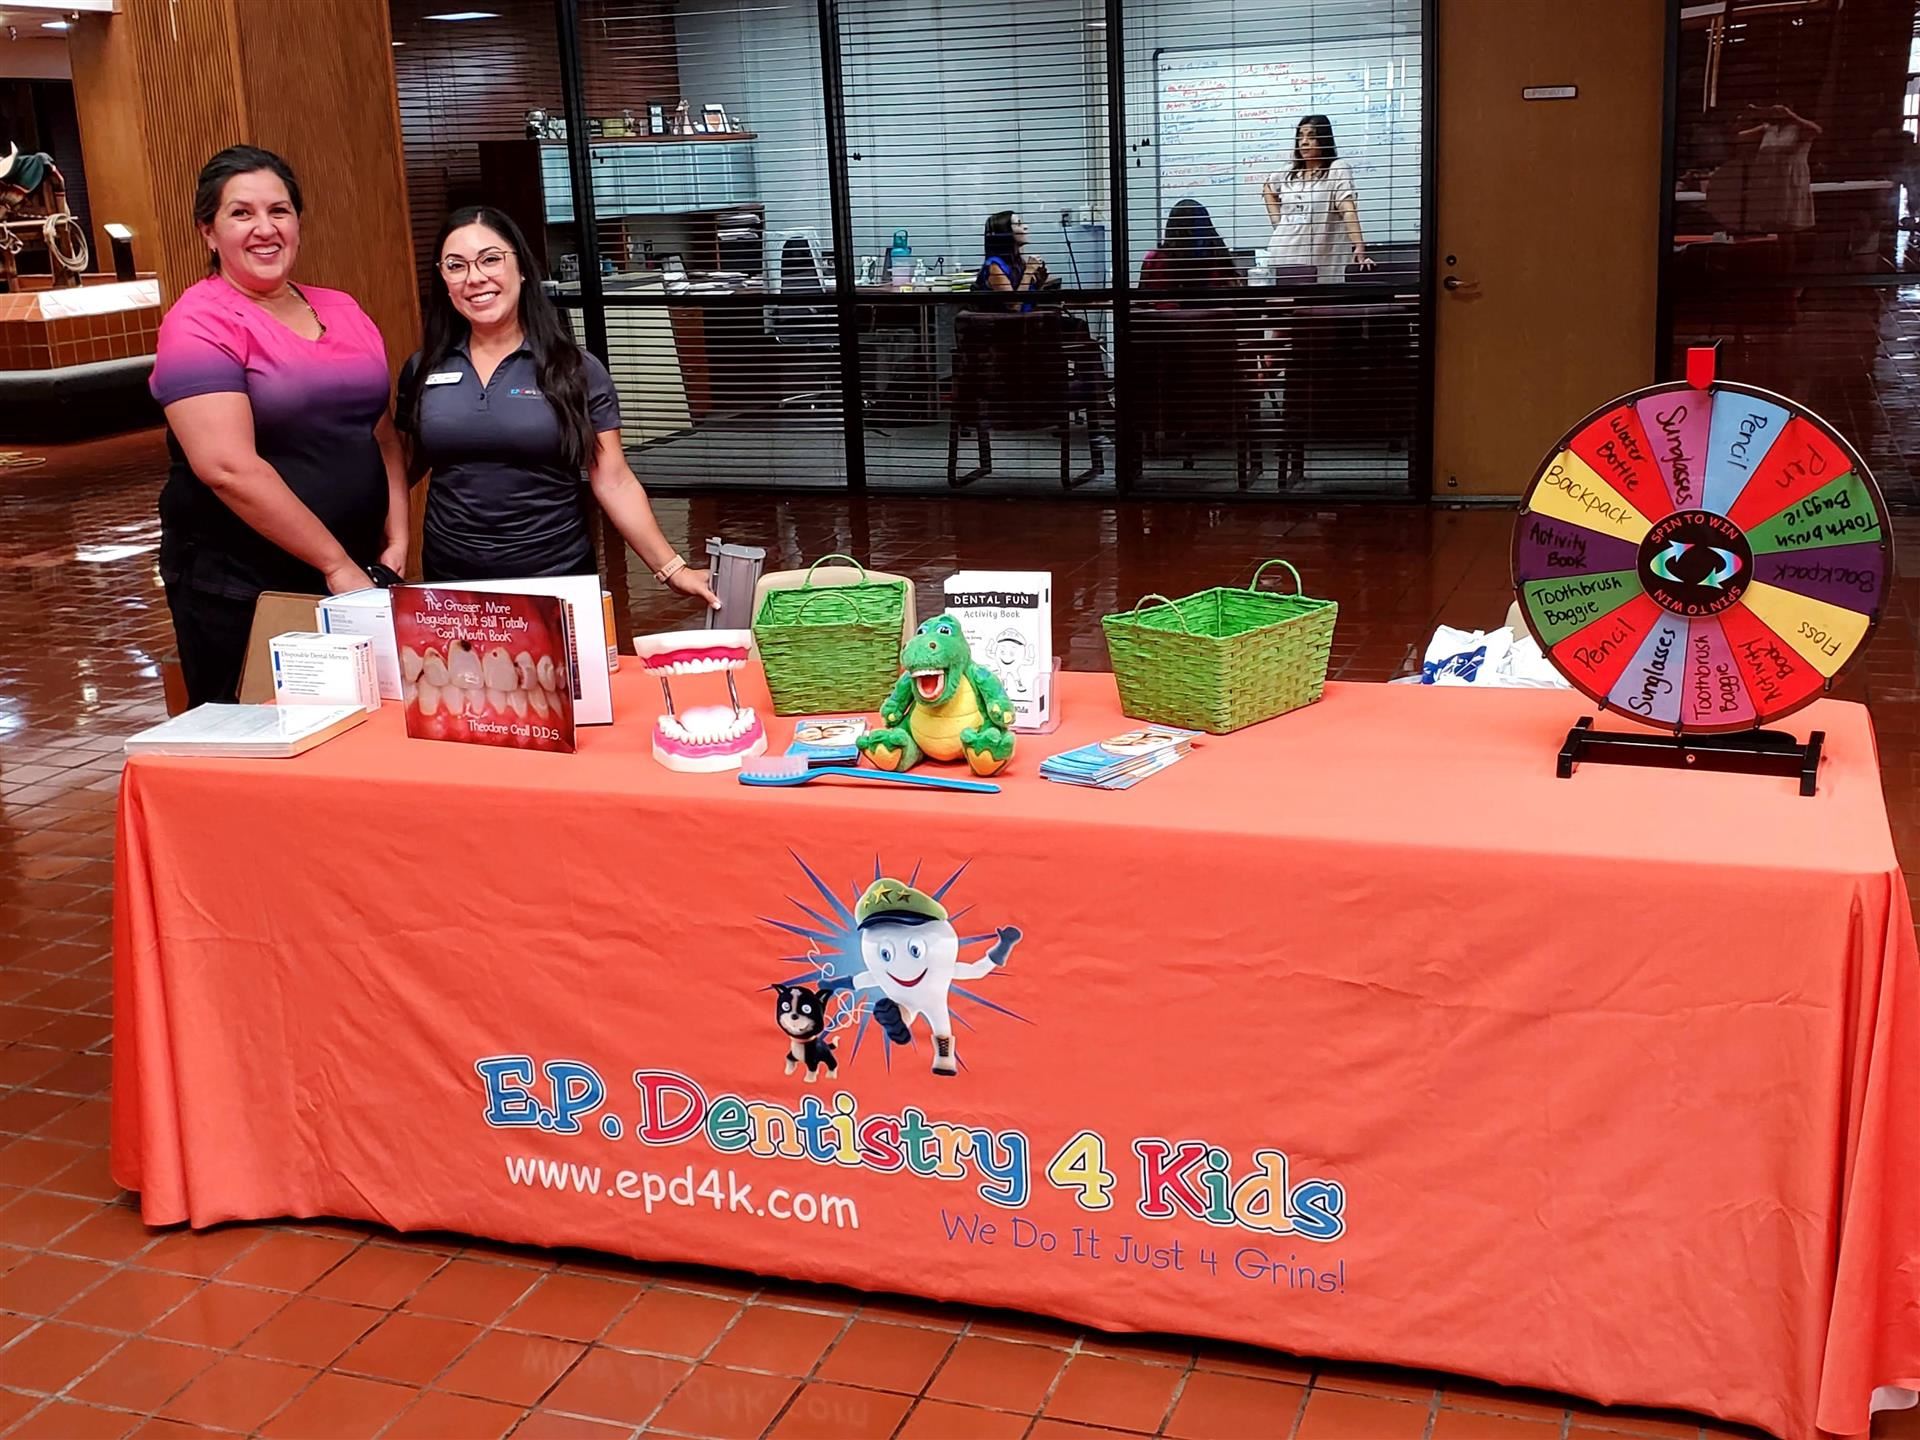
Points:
[[1225, 120]]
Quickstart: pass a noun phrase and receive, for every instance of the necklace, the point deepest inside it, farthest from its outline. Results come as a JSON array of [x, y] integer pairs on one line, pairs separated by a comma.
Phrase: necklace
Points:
[[302, 295], [297, 294]]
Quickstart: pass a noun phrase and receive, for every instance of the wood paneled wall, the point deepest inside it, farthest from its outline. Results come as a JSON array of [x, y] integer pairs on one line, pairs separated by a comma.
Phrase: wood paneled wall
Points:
[[164, 84], [320, 92], [106, 92]]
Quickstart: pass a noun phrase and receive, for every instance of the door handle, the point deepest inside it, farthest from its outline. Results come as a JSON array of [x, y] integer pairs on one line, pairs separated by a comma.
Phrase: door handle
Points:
[[1467, 289]]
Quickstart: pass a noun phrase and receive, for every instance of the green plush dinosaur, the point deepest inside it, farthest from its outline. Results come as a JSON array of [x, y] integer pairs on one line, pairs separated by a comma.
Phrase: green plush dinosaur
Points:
[[944, 708]]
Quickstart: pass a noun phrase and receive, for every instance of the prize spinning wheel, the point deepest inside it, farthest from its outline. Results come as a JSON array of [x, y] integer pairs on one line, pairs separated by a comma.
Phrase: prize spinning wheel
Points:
[[1702, 557]]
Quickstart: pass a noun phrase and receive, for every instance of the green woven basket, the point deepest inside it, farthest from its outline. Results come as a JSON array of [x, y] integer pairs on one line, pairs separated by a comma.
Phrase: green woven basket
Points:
[[1222, 659], [830, 648]]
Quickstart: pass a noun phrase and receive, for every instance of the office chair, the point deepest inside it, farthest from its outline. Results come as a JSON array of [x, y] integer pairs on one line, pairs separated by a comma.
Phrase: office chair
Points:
[[1198, 383], [1010, 369], [804, 336]]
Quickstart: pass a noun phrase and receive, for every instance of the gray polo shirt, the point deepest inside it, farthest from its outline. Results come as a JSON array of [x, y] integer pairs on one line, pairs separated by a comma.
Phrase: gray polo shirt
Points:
[[503, 503]]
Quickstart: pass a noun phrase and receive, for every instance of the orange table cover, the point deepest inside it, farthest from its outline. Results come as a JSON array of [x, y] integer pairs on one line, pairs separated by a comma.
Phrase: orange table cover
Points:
[[1357, 1034]]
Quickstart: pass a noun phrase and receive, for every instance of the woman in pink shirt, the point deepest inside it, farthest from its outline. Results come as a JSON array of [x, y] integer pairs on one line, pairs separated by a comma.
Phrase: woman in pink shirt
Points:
[[287, 473]]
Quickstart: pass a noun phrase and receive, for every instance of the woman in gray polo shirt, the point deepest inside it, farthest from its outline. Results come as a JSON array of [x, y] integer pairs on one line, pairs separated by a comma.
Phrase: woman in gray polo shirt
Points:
[[509, 415]]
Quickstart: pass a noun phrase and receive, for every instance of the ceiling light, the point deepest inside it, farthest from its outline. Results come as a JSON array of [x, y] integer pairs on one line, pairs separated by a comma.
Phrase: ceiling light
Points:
[[466, 15]]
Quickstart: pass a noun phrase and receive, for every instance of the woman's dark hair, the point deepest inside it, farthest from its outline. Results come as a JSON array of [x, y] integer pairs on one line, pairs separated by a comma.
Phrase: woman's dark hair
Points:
[[1191, 242], [1322, 129], [232, 161], [998, 241], [563, 373]]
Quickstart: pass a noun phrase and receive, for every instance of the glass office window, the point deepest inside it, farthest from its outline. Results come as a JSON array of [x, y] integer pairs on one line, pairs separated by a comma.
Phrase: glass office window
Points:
[[462, 86], [714, 225], [729, 142], [1274, 181], [965, 117], [1794, 211]]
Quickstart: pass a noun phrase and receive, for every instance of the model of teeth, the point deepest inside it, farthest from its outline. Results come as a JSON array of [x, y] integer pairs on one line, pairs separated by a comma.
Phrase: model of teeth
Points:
[[693, 652], [709, 737]]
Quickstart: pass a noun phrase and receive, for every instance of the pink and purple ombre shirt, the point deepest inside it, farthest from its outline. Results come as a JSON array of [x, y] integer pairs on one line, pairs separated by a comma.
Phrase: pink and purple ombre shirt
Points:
[[315, 405]]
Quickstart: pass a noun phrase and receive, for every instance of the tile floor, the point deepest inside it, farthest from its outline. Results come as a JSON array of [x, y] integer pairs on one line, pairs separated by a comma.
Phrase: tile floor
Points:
[[108, 1329]]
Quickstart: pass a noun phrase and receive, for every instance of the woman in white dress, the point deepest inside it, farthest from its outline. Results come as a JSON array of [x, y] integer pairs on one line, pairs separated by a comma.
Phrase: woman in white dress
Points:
[[1779, 180], [1314, 208]]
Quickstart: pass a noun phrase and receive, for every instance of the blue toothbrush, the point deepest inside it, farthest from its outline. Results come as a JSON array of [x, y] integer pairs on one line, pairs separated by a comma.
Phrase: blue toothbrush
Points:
[[782, 770]]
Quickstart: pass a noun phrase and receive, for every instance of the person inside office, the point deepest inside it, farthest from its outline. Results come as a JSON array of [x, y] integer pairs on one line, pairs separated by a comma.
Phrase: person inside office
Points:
[[1009, 268], [507, 414], [1191, 255], [1315, 208]]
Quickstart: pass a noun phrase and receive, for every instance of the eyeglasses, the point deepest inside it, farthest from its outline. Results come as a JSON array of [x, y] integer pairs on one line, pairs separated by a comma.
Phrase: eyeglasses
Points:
[[488, 262]]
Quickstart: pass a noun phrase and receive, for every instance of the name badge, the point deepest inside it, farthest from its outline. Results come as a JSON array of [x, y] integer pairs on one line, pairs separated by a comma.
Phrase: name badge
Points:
[[445, 377]]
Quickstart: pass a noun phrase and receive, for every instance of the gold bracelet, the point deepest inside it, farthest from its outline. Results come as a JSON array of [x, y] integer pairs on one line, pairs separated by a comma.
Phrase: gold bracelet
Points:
[[672, 568]]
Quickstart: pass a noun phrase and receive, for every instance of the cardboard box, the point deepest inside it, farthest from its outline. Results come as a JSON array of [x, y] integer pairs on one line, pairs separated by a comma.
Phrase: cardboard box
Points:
[[370, 613], [1007, 616], [314, 669], [275, 613]]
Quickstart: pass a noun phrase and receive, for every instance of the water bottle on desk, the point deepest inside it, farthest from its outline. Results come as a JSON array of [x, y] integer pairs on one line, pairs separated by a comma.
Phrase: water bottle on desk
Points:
[[900, 259]]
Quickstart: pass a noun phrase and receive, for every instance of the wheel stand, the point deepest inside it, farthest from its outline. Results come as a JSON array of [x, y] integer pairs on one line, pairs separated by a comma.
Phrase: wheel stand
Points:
[[1747, 752]]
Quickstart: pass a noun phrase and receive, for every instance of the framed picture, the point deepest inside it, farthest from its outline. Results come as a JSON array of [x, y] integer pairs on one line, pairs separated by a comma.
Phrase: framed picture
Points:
[[714, 117], [657, 118]]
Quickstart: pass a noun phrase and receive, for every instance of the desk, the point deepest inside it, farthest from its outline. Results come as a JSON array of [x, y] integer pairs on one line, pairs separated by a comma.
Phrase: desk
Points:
[[1604, 1085], [910, 387], [1818, 187], [1347, 372]]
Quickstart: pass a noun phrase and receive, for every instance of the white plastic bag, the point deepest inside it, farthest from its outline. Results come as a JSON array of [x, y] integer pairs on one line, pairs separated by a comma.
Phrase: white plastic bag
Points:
[[1464, 657], [1488, 659]]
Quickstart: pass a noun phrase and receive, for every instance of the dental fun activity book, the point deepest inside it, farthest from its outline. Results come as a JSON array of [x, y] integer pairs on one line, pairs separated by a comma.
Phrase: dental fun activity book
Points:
[[484, 667]]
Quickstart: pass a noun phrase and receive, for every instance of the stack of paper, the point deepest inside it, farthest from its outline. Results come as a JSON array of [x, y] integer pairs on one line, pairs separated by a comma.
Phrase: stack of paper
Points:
[[272, 732], [1122, 762]]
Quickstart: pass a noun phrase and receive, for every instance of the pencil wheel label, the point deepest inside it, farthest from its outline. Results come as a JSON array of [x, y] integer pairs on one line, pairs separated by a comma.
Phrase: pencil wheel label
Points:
[[1702, 559]]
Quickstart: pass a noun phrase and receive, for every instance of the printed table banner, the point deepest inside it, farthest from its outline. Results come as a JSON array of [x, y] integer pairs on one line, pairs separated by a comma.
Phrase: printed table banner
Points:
[[1356, 1034]]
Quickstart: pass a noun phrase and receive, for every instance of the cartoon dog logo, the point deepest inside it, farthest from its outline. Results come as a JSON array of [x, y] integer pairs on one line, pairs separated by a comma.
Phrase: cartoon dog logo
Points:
[[801, 1014]]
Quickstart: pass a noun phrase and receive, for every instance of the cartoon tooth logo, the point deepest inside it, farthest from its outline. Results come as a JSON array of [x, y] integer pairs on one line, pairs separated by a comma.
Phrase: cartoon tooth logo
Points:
[[893, 949], [913, 957]]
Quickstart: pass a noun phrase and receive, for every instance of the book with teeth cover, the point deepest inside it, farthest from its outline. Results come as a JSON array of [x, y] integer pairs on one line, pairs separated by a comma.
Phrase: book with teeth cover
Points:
[[484, 667]]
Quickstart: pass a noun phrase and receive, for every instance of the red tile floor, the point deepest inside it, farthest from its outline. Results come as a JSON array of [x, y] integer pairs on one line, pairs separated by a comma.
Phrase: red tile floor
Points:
[[110, 1329]]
